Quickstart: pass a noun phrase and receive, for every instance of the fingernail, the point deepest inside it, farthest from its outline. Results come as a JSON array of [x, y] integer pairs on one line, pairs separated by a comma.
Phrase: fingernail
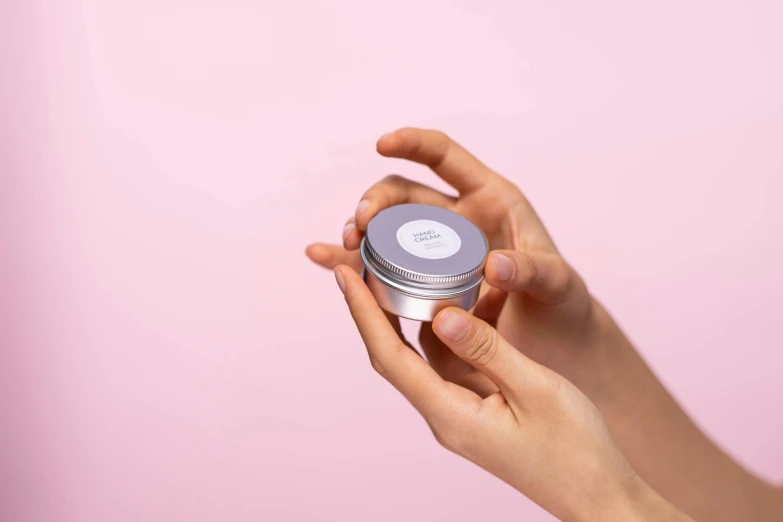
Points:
[[387, 135], [453, 326], [363, 204], [340, 281], [504, 267], [347, 229]]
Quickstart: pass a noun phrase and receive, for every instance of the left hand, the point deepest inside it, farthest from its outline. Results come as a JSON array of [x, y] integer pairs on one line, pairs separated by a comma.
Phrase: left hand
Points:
[[549, 315], [538, 432]]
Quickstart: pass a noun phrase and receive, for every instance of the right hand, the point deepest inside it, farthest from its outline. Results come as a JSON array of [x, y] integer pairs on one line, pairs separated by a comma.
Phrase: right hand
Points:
[[551, 317], [538, 432]]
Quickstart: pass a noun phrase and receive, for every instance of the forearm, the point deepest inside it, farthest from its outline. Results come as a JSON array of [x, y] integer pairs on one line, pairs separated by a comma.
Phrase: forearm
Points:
[[652, 507], [646, 505], [668, 450], [633, 501]]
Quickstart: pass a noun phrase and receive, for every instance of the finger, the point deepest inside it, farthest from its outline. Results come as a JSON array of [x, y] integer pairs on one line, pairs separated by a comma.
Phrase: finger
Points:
[[490, 305], [438, 353], [352, 237], [545, 277], [329, 256], [451, 367], [406, 371], [477, 343], [444, 156], [396, 190]]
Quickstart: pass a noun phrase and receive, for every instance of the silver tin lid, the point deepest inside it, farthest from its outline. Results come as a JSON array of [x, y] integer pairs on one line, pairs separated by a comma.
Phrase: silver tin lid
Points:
[[417, 247]]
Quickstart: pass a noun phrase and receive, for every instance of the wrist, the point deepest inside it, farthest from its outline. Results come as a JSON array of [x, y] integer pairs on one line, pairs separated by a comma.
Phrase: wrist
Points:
[[646, 505], [632, 501], [620, 378], [604, 352]]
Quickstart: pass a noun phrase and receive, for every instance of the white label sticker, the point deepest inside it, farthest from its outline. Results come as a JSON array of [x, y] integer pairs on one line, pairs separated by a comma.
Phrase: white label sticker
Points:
[[428, 239]]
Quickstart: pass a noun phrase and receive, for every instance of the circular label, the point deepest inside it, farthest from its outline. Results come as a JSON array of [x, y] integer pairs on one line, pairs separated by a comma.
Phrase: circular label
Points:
[[428, 239]]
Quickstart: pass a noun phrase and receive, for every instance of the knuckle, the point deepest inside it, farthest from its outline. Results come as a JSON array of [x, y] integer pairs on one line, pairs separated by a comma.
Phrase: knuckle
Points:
[[455, 439], [378, 366], [512, 200], [436, 149], [481, 348], [393, 179], [443, 143], [381, 186], [547, 387], [440, 137], [391, 190], [382, 363], [453, 442]]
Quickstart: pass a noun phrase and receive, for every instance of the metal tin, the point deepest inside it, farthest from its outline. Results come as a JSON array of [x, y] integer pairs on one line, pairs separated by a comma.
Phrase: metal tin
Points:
[[420, 259]]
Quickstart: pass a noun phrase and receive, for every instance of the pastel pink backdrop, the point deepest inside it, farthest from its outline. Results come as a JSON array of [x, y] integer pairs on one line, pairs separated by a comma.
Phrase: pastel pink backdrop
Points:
[[170, 354]]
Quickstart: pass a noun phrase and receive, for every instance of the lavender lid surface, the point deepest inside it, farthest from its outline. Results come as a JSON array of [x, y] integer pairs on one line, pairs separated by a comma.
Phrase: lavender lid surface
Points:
[[426, 245]]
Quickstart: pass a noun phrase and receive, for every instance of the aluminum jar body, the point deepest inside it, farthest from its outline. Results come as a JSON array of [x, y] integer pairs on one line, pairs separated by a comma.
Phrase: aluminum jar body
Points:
[[420, 259]]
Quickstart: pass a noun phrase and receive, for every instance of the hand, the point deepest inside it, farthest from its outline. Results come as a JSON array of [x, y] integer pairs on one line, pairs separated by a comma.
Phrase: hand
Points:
[[549, 315], [538, 433]]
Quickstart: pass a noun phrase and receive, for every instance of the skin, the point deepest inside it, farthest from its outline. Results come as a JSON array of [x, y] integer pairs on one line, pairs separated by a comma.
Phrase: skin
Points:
[[537, 432], [544, 310]]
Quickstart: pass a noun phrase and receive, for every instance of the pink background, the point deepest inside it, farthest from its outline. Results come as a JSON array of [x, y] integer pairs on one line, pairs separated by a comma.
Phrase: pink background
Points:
[[168, 353]]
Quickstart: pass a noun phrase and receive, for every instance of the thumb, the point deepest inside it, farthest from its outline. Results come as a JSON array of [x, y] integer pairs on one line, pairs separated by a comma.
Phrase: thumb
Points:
[[545, 277], [477, 343]]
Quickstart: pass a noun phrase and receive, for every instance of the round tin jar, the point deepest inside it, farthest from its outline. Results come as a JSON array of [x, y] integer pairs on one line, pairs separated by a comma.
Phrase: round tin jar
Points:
[[420, 259]]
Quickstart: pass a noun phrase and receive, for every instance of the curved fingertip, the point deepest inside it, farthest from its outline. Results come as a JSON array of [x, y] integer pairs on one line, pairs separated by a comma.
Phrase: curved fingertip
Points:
[[502, 271], [329, 256], [437, 319], [447, 311], [350, 275], [358, 297], [544, 276], [451, 324], [394, 144], [353, 240], [500, 267], [348, 228], [406, 133], [386, 144], [317, 252], [340, 278], [365, 211], [352, 236]]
